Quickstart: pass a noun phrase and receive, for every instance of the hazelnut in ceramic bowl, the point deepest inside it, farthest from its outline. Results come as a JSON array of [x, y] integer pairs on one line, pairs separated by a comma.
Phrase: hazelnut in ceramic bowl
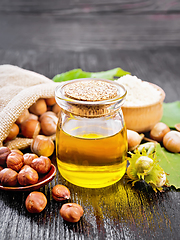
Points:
[[143, 106]]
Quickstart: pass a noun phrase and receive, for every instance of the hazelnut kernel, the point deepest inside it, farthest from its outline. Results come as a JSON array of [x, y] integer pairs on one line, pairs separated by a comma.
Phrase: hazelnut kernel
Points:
[[42, 146], [17, 151], [60, 193], [29, 157], [71, 212], [15, 161], [36, 202], [8, 177], [42, 164], [27, 176], [4, 152]]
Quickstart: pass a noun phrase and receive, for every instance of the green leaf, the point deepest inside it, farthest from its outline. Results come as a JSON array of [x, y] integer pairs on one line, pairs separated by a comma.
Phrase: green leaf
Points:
[[170, 162], [171, 113], [110, 74], [79, 73]]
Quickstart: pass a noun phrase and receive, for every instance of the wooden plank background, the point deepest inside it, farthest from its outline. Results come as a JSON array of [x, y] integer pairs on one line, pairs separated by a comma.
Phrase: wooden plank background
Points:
[[51, 37]]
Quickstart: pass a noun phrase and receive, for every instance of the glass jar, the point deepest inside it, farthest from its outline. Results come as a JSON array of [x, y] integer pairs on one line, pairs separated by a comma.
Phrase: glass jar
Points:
[[91, 137]]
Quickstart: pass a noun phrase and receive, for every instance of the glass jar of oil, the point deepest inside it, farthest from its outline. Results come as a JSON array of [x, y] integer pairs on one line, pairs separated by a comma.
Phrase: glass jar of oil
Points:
[[91, 140]]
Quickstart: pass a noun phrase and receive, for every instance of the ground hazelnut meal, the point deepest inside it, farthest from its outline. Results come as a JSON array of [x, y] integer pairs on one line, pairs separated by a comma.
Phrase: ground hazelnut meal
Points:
[[139, 93], [93, 90]]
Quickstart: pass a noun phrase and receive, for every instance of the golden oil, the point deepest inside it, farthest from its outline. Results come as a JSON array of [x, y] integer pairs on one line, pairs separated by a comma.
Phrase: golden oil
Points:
[[91, 160]]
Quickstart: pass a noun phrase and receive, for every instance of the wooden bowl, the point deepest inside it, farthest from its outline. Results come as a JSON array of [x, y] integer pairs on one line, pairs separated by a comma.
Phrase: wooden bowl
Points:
[[43, 180], [143, 118]]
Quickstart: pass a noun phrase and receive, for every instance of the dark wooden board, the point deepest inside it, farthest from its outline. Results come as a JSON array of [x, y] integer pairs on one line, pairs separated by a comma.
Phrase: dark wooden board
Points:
[[51, 37]]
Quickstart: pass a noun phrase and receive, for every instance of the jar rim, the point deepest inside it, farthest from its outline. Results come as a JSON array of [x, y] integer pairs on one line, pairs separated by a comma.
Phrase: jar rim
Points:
[[121, 93]]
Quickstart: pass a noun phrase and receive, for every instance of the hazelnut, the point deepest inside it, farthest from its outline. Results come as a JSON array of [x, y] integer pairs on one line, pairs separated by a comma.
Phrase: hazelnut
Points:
[[28, 158], [8, 177], [48, 113], [171, 141], [33, 116], [158, 131], [49, 124], [17, 151], [60, 193], [50, 101], [71, 212], [13, 132], [42, 164], [177, 126], [42, 146], [36, 202], [15, 161], [134, 139], [39, 107], [4, 152], [27, 176], [30, 128], [24, 116], [56, 108]]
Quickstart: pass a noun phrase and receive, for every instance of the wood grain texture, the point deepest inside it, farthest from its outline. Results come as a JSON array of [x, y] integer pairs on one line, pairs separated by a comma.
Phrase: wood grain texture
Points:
[[89, 31], [51, 37], [69, 7]]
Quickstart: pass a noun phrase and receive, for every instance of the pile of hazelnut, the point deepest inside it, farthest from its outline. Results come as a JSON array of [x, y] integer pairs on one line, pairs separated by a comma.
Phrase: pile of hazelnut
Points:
[[21, 169], [40, 118], [18, 169], [37, 201], [161, 133]]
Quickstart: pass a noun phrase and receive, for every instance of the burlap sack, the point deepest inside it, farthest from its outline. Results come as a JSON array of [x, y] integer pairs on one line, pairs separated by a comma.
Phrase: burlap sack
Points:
[[19, 89]]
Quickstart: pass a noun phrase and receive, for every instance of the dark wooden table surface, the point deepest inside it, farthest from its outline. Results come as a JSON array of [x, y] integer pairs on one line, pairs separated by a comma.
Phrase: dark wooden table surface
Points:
[[51, 37]]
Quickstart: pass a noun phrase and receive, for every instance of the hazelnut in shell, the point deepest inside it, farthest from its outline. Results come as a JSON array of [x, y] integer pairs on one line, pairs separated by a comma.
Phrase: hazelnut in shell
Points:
[[42, 164], [49, 125], [4, 152], [71, 212], [60, 193], [50, 101], [35, 202], [39, 107], [42, 146], [177, 126], [56, 108], [33, 116], [171, 141], [24, 116], [14, 131], [27, 176], [30, 128], [8, 177], [158, 131], [134, 139], [15, 161]]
